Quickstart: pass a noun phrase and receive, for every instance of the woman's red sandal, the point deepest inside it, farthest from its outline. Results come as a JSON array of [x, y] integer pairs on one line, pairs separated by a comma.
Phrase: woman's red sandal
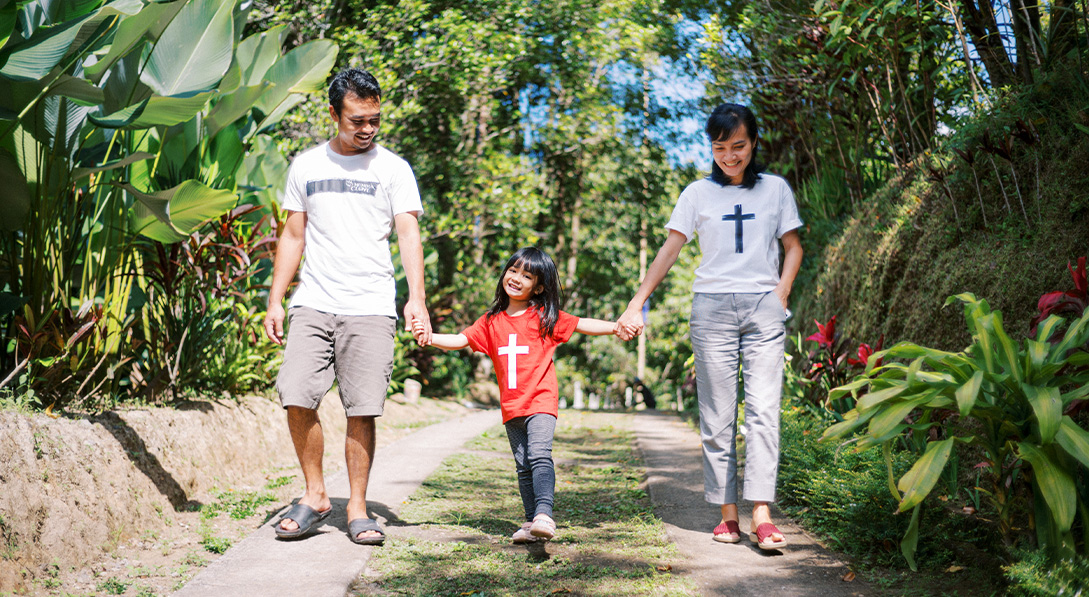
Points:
[[723, 532], [763, 534]]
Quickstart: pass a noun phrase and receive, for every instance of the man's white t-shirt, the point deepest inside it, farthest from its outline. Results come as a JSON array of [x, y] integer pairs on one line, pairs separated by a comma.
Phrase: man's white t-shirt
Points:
[[349, 202], [738, 231]]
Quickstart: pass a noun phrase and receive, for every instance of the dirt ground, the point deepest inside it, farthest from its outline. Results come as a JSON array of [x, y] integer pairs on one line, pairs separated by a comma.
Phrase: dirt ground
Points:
[[135, 502]]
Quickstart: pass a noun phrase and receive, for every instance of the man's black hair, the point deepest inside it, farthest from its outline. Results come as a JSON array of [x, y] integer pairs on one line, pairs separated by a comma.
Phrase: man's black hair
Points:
[[722, 124], [354, 80]]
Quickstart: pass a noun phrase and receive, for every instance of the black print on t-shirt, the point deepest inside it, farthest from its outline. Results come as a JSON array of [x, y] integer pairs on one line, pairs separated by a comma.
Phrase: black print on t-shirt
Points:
[[341, 185], [739, 227]]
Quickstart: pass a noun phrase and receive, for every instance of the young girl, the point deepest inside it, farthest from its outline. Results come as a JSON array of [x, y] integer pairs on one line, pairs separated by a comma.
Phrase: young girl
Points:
[[520, 332]]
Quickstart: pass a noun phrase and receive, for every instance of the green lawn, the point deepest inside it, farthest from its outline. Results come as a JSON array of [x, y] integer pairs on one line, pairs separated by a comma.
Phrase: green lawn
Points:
[[609, 541]]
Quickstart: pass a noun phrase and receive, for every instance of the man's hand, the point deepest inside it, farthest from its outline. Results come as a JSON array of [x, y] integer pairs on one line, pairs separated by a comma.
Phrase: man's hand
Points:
[[274, 323], [418, 321]]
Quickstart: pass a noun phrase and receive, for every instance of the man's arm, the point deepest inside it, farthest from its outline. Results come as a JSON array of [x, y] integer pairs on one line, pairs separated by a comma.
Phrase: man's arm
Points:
[[289, 252], [408, 240]]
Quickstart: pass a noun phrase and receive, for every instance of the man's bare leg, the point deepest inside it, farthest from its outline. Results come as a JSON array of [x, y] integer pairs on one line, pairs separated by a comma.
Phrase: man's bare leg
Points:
[[358, 456], [309, 443]]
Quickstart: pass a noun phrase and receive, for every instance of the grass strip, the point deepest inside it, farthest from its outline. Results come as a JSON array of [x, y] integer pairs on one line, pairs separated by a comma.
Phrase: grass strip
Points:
[[459, 523]]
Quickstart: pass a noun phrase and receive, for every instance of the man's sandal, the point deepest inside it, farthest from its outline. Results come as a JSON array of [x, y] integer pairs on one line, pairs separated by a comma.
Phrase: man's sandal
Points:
[[543, 527], [723, 532], [362, 525], [762, 537], [522, 535], [304, 516]]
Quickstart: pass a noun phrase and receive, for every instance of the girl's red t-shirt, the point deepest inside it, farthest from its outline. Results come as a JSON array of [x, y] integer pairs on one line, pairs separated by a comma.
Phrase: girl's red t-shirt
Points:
[[522, 359]]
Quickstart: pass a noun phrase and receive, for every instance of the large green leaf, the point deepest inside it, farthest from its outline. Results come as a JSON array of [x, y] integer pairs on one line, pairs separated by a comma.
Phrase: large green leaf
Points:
[[170, 216], [8, 17], [258, 52], [1074, 440], [968, 393], [920, 480], [15, 200], [194, 51], [79, 173], [35, 57], [122, 117], [156, 111], [302, 70], [281, 110], [1055, 483], [233, 107], [78, 89], [133, 31], [910, 542], [1048, 407]]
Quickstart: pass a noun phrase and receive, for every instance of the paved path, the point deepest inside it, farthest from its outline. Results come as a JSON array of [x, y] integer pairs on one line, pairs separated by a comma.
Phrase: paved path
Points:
[[673, 457], [327, 562]]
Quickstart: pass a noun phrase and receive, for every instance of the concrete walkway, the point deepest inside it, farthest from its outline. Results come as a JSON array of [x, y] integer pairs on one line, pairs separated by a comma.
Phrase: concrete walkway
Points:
[[325, 563], [673, 457]]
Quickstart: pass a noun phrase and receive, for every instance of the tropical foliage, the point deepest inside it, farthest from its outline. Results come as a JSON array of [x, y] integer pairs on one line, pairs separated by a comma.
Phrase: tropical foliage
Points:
[[1010, 403], [123, 131]]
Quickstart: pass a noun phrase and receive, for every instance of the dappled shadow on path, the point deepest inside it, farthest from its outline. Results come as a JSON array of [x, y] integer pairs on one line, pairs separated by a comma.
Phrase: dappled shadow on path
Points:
[[145, 461]]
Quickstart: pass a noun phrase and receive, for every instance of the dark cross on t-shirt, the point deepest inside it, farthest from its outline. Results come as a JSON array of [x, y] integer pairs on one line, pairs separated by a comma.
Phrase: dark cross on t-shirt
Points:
[[739, 228]]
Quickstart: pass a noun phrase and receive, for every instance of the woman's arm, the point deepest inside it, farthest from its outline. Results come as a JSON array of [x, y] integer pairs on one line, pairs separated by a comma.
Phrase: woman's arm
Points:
[[595, 327], [630, 323], [792, 262]]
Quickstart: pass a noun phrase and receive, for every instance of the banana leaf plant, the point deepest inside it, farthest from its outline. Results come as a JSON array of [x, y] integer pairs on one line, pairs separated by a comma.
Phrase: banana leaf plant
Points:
[[123, 119], [1008, 401]]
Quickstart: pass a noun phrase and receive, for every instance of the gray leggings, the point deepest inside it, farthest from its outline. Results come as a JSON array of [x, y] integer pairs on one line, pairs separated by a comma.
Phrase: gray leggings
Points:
[[531, 442]]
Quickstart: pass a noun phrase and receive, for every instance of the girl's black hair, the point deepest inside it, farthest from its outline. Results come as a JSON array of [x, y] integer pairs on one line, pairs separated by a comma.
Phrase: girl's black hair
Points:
[[723, 123], [547, 294]]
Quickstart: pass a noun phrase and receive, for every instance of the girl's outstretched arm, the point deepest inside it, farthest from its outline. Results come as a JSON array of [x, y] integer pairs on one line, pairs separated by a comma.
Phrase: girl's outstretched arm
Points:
[[449, 341], [595, 327], [443, 341]]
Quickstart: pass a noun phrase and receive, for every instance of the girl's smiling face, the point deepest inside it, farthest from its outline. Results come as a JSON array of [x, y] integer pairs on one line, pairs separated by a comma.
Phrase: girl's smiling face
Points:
[[733, 154], [519, 284]]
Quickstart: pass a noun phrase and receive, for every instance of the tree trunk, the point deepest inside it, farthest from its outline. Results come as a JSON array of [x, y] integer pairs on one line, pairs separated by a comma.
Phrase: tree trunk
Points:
[[980, 23]]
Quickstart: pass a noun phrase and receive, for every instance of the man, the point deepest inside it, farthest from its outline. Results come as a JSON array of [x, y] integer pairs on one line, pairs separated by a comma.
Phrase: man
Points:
[[343, 199]]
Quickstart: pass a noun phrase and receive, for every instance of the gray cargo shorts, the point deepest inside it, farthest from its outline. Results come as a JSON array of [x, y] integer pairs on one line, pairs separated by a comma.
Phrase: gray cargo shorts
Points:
[[355, 349]]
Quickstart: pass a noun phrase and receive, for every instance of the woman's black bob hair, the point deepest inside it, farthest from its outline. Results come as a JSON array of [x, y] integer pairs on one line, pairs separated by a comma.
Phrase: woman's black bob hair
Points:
[[724, 122], [547, 295]]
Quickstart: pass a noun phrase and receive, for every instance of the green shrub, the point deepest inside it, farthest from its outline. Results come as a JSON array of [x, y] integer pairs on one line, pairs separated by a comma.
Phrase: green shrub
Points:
[[1003, 399], [1034, 576], [842, 494]]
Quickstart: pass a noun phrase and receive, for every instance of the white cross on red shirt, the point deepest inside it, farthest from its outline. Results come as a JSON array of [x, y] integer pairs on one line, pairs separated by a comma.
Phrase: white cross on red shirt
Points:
[[512, 350]]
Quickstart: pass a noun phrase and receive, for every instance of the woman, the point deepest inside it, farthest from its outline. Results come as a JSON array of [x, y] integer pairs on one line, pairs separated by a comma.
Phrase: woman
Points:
[[738, 312]]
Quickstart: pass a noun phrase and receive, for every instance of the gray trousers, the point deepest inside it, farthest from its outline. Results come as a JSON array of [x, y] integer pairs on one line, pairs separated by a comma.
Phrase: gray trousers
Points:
[[531, 443], [729, 330]]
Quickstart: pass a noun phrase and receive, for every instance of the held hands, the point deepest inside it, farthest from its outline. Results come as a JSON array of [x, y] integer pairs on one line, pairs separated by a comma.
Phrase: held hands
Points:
[[418, 321], [418, 332], [630, 324]]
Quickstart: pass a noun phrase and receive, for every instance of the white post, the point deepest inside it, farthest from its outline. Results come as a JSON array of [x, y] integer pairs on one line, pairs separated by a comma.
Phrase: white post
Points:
[[579, 404]]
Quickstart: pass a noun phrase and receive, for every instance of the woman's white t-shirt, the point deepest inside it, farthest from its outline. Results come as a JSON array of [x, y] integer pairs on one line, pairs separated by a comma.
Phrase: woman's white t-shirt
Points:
[[349, 202], [738, 232]]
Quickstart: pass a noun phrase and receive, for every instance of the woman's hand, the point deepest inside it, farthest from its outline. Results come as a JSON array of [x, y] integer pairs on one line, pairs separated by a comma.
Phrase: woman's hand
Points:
[[784, 296]]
